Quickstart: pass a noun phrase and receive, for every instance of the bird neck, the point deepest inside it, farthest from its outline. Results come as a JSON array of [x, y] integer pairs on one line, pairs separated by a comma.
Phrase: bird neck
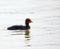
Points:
[[27, 24]]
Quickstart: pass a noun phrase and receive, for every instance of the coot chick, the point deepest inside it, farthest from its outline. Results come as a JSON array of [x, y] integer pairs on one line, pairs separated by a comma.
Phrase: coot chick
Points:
[[21, 27]]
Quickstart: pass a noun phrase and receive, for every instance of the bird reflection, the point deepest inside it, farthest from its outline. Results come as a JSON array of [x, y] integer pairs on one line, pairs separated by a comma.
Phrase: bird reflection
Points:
[[27, 34], [27, 38]]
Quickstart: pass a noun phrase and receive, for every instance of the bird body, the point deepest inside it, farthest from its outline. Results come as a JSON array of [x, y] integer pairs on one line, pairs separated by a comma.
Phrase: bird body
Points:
[[21, 27], [18, 27]]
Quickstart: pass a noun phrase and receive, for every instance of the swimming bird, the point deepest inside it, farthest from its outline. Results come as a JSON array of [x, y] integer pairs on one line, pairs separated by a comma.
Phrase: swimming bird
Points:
[[21, 27]]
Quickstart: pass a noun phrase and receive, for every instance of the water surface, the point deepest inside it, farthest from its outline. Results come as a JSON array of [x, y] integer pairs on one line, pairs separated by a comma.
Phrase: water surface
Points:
[[45, 29]]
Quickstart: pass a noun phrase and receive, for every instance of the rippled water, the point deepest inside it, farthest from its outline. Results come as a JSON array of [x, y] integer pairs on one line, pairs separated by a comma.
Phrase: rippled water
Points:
[[45, 29]]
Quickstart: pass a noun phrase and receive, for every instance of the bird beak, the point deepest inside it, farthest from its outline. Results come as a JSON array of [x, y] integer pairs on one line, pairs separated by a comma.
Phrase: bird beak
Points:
[[31, 22]]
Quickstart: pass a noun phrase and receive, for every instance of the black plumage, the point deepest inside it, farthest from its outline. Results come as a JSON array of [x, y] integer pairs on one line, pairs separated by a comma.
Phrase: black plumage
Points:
[[21, 27]]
